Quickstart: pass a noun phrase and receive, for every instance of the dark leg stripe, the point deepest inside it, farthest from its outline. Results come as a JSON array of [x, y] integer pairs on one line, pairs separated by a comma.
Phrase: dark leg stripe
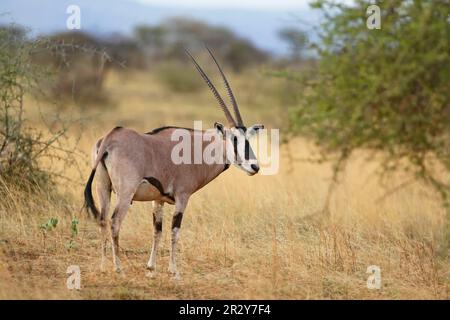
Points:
[[157, 224], [176, 221], [114, 215]]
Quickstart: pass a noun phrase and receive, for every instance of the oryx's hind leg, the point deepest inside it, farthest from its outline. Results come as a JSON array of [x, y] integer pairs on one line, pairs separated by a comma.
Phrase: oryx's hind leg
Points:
[[157, 230], [103, 187], [104, 194], [180, 206], [120, 211], [125, 190]]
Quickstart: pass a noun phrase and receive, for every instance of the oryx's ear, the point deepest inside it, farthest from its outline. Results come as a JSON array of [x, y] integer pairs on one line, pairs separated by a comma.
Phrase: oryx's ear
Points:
[[254, 129], [219, 127]]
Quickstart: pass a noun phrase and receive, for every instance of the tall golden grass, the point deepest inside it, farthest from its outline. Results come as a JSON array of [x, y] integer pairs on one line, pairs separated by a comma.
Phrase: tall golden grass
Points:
[[261, 237]]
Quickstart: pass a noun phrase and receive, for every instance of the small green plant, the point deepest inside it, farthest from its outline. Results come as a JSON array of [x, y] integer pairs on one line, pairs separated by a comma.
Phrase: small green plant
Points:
[[74, 227], [74, 231], [46, 227], [49, 225]]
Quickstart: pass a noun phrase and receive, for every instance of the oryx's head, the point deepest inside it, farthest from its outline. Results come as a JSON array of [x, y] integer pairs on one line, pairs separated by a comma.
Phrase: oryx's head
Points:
[[236, 134]]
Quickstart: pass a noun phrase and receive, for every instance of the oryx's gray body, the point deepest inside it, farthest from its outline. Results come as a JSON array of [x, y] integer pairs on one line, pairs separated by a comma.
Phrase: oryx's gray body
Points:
[[139, 167], [142, 163]]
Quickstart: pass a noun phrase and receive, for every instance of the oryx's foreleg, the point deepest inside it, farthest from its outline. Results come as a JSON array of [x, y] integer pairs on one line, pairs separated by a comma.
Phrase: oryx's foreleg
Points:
[[104, 194], [157, 230], [180, 206]]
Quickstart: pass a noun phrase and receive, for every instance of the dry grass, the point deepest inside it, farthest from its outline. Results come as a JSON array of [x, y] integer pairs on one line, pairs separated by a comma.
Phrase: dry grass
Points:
[[242, 238]]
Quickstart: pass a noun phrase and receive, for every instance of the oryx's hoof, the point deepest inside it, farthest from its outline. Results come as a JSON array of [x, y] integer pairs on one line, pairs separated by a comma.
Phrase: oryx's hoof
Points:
[[176, 276], [174, 273], [151, 272]]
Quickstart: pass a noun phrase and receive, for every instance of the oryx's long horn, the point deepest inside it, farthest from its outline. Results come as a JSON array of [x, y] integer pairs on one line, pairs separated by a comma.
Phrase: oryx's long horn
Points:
[[230, 92], [211, 86]]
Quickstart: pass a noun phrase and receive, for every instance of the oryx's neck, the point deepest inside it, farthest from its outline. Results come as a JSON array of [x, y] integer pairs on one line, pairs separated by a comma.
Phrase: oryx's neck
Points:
[[211, 171], [198, 173]]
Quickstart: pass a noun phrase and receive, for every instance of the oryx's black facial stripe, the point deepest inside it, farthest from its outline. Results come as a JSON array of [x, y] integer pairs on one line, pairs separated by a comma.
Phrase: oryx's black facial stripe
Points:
[[247, 150], [157, 184], [235, 146], [176, 220]]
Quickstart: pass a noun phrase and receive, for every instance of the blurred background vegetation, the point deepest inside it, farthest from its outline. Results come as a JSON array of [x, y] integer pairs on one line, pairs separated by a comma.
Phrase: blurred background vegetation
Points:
[[383, 90]]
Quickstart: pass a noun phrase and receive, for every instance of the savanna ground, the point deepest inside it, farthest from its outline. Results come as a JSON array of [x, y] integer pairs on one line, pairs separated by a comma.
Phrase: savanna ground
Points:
[[261, 237]]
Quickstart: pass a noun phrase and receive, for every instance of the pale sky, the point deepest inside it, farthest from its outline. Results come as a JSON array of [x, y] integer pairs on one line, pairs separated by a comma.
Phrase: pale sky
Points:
[[241, 4]]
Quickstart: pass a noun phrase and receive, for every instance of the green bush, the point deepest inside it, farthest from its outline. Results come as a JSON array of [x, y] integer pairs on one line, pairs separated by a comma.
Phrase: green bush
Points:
[[385, 89], [26, 153]]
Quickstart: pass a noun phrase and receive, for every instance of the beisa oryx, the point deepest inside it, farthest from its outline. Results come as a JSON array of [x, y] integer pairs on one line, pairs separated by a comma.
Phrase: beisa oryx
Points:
[[139, 167]]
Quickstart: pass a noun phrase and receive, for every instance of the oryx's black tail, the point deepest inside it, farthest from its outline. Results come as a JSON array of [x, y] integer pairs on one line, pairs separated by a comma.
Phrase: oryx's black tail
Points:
[[89, 203]]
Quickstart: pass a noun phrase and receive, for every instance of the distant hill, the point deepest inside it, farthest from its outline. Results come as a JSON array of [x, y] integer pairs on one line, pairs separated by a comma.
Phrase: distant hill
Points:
[[104, 17]]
